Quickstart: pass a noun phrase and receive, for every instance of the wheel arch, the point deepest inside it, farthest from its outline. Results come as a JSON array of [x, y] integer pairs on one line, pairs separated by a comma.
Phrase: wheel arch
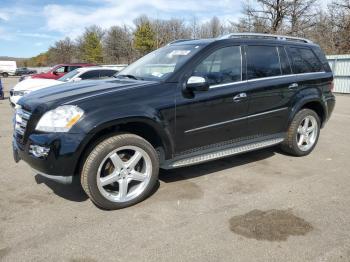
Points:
[[144, 127], [313, 103]]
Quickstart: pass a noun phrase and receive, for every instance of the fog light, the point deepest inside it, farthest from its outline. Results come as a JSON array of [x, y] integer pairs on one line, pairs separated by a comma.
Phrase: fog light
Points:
[[39, 151]]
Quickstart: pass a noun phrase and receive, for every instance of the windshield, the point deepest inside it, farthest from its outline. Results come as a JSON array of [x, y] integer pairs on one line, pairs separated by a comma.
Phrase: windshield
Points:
[[68, 76], [160, 63]]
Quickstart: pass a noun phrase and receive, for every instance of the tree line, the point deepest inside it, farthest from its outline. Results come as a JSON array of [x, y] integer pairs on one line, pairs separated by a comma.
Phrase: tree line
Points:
[[329, 27]]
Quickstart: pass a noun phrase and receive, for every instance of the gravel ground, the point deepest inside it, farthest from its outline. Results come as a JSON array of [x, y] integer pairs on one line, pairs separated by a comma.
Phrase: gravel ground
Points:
[[260, 206]]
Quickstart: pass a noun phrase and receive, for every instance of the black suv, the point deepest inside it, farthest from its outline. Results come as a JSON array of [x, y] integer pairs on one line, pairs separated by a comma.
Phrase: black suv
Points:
[[189, 102], [24, 71]]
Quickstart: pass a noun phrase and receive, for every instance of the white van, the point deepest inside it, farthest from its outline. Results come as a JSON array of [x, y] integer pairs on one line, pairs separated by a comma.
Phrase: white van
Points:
[[8, 68]]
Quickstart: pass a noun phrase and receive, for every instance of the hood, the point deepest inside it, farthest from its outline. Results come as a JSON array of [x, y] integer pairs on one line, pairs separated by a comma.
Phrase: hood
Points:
[[73, 92], [35, 84]]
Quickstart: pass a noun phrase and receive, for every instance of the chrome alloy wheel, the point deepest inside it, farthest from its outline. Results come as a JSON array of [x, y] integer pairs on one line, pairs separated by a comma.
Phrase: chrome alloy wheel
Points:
[[307, 133], [124, 174]]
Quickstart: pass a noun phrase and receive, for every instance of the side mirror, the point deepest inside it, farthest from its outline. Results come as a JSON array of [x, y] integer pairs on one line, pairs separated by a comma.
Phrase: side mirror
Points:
[[55, 72], [197, 83], [77, 79]]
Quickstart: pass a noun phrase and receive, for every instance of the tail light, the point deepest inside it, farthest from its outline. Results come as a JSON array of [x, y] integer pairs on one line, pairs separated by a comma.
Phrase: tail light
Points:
[[331, 86]]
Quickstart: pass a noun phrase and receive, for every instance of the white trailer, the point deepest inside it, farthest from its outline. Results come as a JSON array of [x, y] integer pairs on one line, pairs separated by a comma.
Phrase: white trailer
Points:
[[8, 68]]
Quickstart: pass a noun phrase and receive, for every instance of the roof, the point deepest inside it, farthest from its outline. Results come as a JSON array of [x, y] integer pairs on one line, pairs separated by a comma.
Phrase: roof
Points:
[[93, 68], [245, 37], [193, 41]]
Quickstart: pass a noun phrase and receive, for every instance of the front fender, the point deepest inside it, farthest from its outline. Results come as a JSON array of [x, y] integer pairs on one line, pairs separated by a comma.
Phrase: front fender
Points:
[[99, 120]]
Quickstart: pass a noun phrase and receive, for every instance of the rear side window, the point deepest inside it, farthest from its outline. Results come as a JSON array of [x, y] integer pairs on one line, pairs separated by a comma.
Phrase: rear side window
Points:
[[222, 66], [95, 74], [107, 73], [262, 61], [319, 53], [285, 65], [304, 60]]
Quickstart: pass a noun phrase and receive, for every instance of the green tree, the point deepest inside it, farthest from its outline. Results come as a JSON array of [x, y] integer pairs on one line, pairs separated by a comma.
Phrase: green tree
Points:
[[90, 46], [145, 38]]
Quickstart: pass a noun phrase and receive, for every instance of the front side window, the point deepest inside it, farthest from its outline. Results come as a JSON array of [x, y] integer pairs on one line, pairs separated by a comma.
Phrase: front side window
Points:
[[262, 61], [222, 66], [304, 60], [60, 69], [161, 63], [68, 76]]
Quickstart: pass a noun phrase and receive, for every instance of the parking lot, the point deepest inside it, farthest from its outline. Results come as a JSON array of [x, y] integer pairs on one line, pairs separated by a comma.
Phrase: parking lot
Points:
[[260, 206]]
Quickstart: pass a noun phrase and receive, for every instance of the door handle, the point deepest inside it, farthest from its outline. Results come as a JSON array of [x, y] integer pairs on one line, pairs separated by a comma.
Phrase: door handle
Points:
[[292, 86], [239, 97]]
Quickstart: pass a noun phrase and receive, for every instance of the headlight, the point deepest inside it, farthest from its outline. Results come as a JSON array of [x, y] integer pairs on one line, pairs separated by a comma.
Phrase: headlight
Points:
[[21, 93], [61, 119]]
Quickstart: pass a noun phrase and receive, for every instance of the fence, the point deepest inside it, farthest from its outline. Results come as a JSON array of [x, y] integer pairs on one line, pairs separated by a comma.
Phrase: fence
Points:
[[340, 65]]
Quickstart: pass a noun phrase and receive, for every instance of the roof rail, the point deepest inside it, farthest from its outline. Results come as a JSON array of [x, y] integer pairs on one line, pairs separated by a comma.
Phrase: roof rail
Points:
[[179, 41], [266, 36]]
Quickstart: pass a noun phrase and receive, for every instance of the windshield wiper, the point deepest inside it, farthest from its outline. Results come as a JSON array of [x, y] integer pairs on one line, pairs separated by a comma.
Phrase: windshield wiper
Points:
[[129, 76]]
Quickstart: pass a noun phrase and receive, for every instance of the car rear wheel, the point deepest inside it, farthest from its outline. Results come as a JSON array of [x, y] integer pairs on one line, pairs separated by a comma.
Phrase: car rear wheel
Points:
[[303, 133], [120, 171], [5, 74]]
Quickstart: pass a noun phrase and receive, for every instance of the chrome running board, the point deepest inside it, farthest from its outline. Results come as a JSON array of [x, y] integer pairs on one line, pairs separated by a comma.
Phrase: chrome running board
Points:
[[201, 158]]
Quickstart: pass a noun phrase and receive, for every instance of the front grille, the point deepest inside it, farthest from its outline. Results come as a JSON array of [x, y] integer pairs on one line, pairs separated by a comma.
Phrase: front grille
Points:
[[21, 120]]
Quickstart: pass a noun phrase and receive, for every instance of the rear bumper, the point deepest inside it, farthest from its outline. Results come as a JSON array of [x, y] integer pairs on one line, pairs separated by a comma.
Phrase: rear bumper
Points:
[[330, 104]]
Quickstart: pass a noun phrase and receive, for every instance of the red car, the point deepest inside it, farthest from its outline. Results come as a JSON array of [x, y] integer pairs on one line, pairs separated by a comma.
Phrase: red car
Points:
[[57, 71]]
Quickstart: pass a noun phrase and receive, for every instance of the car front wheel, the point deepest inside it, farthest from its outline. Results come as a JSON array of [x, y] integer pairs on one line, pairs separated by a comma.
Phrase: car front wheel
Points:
[[120, 171]]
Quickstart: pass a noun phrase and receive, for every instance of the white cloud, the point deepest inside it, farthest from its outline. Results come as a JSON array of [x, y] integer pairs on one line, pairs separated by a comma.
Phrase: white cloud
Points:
[[71, 20], [36, 35], [4, 16]]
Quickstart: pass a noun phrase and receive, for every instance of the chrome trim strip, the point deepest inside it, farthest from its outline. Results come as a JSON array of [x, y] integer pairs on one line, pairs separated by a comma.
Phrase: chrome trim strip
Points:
[[267, 112], [235, 120], [225, 152], [283, 76], [259, 35], [59, 179], [265, 78], [228, 84]]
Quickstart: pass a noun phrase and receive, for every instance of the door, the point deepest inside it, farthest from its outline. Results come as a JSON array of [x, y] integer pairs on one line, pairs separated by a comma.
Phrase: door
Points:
[[271, 88], [216, 116]]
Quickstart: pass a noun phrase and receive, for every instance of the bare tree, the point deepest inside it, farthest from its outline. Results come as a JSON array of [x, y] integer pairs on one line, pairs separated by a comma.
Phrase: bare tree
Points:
[[117, 45], [63, 51], [339, 12], [301, 16], [269, 13]]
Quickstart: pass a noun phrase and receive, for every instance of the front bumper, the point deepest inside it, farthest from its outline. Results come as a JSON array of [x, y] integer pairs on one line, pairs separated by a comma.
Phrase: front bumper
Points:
[[61, 161], [14, 99]]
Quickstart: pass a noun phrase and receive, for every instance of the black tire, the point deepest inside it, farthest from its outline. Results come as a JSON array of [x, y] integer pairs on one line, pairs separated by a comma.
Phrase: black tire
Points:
[[5, 74], [89, 174], [290, 144]]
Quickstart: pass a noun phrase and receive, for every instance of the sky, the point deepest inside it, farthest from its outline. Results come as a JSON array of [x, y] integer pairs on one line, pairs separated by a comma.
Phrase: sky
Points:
[[29, 27]]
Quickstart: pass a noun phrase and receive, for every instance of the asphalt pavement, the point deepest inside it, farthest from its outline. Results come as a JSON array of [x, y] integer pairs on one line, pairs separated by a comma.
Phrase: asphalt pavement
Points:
[[259, 206]]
